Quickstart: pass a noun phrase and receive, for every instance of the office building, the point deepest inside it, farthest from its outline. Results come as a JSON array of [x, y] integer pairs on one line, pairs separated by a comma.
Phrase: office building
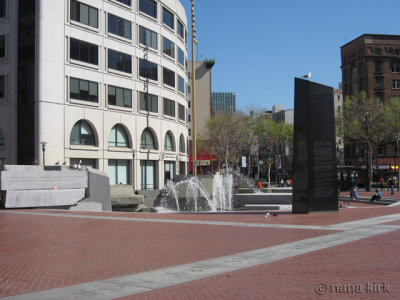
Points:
[[371, 63], [101, 83], [223, 103]]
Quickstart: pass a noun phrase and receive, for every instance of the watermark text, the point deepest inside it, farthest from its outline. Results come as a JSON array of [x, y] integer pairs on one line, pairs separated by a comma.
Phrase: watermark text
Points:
[[367, 288]]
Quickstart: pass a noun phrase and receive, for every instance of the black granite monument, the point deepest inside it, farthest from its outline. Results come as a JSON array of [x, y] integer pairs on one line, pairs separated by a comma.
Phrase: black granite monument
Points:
[[314, 158]]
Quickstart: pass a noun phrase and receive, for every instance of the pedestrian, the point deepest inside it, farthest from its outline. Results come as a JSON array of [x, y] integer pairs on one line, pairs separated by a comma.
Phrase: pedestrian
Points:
[[355, 194], [381, 181], [259, 185], [376, 196], [391, 185]]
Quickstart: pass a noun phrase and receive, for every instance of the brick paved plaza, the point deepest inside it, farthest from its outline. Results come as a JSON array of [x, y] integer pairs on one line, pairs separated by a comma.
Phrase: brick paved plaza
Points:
[[50, 254]]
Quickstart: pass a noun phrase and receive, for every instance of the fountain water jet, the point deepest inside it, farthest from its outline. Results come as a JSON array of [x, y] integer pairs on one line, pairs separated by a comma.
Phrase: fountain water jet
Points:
[[190, 194]]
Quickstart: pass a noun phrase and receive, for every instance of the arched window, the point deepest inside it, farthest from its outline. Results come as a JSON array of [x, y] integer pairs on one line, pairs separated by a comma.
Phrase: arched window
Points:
[[182, 144], [169, 144], [82, 134], [147, 140], [1, 138], [118, 137]]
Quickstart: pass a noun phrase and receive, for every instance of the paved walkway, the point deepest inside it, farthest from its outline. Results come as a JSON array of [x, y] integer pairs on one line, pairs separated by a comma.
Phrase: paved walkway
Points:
[[50, 254]]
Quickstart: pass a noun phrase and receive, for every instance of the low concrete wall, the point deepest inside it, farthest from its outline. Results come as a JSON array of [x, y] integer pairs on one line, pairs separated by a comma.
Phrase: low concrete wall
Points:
[[56, 186], [263, 198], [123, 198], [98, 191]]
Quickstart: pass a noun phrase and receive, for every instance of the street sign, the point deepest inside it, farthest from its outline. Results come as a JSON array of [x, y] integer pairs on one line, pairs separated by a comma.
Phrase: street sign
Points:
[[202, 162]]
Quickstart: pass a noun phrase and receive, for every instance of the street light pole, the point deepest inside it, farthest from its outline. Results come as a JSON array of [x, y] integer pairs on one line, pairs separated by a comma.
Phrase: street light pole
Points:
[[43, 150], [194, 139]]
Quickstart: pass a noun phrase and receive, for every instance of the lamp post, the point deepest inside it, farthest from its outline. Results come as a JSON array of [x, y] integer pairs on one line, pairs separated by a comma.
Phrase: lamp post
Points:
[[43, 150], [194, 139], [133, 169]]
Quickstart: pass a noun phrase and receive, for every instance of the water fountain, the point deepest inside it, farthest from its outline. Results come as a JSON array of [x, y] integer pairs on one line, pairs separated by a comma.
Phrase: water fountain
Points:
[[216, 194], [191, 195]]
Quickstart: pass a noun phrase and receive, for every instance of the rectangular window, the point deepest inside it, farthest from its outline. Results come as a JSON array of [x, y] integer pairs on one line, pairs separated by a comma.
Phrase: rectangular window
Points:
[[84, 51], [378, 82], [2, 46], [119, 26], [169, 107], [169, 170], [3, 8], [180, 29], [181, 57], [148, 69], [168, 77], [148, 37], [118, 171], [168, 18], [119, 61], [168, 47], [126, 2], [2, 86], [148, 102], [181, 84], [84, 14], [181, 112], [148, 174], [83, 90], [182, 168], [396, 84], [395, 67], [119, 96], [378, 67], [149, 7]]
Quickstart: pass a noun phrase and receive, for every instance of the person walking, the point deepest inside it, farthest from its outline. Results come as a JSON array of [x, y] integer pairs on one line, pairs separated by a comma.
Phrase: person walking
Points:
[[391, 186], [381, 181], [259, 184], [355, 194]]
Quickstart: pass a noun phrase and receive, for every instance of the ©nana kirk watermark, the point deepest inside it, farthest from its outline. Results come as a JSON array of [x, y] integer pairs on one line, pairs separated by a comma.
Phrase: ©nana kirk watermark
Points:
[[361, 288]]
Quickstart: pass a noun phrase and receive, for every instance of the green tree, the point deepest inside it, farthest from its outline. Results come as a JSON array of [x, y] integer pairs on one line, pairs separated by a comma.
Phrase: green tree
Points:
[[392, 114], [364, 125], [226, 134], [277, 136]]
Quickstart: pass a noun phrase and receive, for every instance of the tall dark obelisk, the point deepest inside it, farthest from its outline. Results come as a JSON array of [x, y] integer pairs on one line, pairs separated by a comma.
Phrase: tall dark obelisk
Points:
[[314, 158]]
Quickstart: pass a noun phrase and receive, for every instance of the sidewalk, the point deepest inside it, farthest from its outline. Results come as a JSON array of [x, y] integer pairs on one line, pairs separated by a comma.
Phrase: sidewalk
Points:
[[52, 254]]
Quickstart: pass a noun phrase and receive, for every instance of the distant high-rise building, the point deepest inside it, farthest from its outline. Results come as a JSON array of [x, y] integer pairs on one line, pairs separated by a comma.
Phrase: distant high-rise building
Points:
[[224, 103], [284, 115], [277, 108]]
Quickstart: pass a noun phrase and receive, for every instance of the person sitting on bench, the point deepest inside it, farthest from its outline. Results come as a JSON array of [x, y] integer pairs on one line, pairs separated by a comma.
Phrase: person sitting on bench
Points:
[[376, 196]]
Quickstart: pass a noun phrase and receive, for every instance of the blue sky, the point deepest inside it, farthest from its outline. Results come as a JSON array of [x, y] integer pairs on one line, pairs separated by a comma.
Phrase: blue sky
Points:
[[261, 45]]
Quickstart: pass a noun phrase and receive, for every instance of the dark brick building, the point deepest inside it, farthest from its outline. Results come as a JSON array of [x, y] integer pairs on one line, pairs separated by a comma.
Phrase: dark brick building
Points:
[[371, 63]]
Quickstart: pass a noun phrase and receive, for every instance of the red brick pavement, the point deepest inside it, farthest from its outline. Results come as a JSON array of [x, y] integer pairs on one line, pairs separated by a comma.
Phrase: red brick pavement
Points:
[[45, 252], [345, 215], [350, 271]]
